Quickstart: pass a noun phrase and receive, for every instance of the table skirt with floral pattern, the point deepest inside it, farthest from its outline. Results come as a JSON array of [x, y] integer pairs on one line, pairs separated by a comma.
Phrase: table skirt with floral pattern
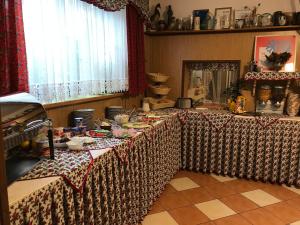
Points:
[[124, 182], [119, 189], [259, 148]]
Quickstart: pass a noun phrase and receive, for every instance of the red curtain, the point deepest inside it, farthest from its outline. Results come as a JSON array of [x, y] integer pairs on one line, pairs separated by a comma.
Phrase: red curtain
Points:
[[136, 52], [13, 63]]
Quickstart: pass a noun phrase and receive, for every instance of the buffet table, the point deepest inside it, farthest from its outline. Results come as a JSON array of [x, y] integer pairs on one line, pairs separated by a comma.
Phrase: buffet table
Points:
[[119, 184], [262, 148], [119, 187]]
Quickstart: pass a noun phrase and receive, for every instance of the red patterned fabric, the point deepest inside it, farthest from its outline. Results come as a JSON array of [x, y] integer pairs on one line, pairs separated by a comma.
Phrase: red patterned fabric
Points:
[[136, 52], [115, 5], [13, 63]]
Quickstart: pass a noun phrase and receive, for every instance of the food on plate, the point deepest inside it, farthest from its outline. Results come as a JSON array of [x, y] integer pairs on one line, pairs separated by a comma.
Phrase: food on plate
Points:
[[99, 133], [137, 125], [124, 133]]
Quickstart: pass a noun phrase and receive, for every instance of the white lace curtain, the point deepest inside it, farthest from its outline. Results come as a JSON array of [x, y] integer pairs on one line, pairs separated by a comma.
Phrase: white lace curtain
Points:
[[74, 49]]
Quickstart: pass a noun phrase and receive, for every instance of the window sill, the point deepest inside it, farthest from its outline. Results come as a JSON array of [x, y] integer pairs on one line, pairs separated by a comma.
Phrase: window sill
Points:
[[81, 101]]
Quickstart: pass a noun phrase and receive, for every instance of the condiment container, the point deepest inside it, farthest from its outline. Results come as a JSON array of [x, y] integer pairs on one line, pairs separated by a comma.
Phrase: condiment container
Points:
[[264, 93]]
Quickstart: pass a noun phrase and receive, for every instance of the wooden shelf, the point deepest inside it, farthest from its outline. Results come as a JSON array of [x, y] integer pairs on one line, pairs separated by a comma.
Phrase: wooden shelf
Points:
[[272, 76], [224, 31]]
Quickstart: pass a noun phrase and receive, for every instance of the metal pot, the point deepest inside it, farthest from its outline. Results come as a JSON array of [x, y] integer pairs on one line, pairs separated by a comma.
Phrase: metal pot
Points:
[[184, 103]]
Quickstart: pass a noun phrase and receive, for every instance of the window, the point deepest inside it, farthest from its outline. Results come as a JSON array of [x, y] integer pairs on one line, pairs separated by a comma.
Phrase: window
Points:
[[74, 49]]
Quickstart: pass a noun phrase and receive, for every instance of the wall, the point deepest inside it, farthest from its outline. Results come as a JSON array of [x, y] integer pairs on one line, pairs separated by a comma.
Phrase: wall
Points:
[[184, 8], [166, 53], [60, 115]]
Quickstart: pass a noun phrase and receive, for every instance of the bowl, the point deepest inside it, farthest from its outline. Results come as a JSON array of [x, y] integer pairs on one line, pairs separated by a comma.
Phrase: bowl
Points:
[[122, 119], [75, 146]]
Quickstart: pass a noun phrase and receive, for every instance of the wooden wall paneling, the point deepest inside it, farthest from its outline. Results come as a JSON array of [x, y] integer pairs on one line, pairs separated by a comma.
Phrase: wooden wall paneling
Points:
[[60, 115], [4, 212], [168, 52]]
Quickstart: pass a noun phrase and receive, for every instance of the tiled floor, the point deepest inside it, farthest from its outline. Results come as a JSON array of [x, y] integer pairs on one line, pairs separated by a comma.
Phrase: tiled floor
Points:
[[196, 198]]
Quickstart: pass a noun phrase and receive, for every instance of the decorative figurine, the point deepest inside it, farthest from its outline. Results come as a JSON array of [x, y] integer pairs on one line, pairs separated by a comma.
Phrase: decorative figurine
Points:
[[169, 15], [155, 17]]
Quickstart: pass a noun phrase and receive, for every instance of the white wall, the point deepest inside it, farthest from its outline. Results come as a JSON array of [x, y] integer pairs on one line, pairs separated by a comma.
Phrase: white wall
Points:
[[184, 8]]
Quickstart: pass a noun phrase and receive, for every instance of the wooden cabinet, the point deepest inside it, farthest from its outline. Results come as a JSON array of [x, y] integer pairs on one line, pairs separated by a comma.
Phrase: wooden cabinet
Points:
[[4, 213]]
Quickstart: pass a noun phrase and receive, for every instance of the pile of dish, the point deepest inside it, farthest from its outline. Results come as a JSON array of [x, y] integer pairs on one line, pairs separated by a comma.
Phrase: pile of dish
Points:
[[86, 115]]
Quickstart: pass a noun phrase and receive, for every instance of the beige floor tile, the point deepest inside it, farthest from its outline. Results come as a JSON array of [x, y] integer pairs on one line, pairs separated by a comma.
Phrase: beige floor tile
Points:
[[215, 209], [295, 223], [293, 189], [261, 197], [223, 178], [162, 218], [183, 183]]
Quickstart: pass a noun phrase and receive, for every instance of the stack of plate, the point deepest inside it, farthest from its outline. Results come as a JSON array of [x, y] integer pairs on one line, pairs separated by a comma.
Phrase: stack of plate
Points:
[[87, 117], [112, 111]]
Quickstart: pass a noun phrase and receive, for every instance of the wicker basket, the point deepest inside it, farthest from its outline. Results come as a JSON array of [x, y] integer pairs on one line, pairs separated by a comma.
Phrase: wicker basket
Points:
[[159, 90], [158, 77], [155, 104]]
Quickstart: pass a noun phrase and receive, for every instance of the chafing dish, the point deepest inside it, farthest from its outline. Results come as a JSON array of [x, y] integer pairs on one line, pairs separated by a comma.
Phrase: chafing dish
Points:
[[22, 118]]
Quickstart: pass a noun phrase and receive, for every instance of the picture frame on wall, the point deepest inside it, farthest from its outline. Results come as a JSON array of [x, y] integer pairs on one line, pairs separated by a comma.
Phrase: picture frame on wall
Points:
[[277, 44], [242, 18], [223, 17], [202, 14]]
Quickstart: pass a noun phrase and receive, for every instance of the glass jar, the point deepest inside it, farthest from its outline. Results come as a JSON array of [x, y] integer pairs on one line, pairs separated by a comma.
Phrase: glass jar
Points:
[[278, 94], [264, 93]]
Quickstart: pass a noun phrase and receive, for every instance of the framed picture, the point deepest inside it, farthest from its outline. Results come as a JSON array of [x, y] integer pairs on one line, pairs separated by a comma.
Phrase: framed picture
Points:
[[268, 45], [223, 16], [242, 18], [242, 14]]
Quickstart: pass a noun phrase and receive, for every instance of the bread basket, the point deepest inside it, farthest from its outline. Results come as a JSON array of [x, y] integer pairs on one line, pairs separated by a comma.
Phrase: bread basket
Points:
[[158, 77], [159, 90]]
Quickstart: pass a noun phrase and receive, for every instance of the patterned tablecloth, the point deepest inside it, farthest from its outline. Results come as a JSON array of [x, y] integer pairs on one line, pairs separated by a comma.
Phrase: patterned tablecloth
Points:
[[262, 148], [121, 184], [119, 189]]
